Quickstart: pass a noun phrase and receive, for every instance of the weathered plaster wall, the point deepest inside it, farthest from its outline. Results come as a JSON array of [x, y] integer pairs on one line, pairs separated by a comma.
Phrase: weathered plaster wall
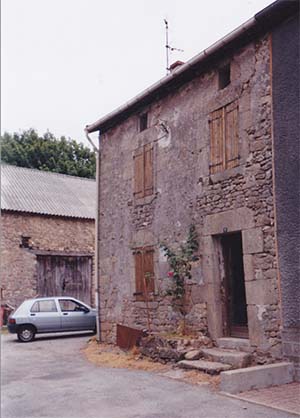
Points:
[[286, 107], [18, 265], [186, 193]]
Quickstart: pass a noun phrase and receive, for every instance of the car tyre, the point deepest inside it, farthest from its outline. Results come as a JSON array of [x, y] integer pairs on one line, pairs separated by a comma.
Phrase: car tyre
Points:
[[26, 333]]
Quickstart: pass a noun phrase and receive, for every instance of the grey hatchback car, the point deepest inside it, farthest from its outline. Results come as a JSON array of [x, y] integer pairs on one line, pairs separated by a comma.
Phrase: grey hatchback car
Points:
[[51, 314]]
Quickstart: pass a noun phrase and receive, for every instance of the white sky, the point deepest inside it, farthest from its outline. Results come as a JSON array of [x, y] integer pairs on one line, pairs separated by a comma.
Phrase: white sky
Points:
[[66, 63]]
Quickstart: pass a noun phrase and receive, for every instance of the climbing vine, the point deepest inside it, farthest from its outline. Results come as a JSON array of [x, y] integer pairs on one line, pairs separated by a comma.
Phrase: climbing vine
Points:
[[180, 263]]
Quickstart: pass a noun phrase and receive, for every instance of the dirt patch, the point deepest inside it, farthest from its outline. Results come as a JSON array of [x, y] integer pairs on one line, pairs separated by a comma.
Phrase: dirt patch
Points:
[[106, 355]]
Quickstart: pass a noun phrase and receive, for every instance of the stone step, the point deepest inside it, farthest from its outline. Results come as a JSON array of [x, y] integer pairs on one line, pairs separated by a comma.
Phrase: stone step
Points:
[[236, 359], [230, 343], [209, 367]]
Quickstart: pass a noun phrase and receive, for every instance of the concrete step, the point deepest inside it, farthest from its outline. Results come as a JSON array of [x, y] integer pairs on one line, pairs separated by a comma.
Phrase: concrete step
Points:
[[230, 343], [257, 377], [236, 359], [209, 367]]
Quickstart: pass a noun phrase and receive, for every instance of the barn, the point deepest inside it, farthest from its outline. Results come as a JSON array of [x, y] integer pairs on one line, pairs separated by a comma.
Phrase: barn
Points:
[[47, 235]]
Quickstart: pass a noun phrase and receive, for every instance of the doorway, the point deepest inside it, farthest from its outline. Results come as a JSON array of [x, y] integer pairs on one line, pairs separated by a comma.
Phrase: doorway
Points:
[[235, 321], [64, 276]]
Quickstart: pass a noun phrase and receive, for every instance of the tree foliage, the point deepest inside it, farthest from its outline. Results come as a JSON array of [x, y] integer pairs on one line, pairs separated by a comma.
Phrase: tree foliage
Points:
[[47, 153]]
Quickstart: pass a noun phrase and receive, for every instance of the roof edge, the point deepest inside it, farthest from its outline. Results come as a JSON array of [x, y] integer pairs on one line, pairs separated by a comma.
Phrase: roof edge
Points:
[[263, 20]]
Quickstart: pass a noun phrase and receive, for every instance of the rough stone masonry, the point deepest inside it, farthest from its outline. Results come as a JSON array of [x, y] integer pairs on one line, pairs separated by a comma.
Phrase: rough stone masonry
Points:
[[237, 199]]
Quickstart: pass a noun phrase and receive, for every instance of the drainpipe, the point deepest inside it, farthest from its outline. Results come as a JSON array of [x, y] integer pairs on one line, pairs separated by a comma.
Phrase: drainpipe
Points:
[[97, 231]]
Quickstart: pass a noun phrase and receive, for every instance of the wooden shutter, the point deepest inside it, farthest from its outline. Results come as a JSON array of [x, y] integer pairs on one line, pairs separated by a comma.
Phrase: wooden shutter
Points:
[[232, 138], [139, 269], [149, 269], [139, 173], [217, 141], [148, 167]]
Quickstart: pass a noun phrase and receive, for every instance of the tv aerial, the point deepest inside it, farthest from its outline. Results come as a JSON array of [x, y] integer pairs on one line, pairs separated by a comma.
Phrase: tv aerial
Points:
[[169, 48]]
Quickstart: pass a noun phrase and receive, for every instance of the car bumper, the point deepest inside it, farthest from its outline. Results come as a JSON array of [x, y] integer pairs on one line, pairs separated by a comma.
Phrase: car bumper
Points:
[[12, 328]]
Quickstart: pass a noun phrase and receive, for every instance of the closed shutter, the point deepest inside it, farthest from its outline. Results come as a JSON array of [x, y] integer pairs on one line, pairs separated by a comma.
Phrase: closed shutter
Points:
[[139, 173], [149, 269], [217, 141], [232, 138], [139, 285], [144, 273], [148, 176], [143, 171], [224, 138]]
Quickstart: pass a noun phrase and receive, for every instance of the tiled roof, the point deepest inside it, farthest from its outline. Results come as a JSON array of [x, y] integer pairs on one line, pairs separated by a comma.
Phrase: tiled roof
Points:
[[35, 191]]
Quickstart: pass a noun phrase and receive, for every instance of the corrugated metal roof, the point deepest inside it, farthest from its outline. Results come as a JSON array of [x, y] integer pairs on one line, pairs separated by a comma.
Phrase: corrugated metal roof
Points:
[[35, 191]]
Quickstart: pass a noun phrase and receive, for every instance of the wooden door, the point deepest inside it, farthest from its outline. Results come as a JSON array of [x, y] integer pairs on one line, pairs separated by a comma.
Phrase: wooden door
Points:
[[64, 276], [235, 308]]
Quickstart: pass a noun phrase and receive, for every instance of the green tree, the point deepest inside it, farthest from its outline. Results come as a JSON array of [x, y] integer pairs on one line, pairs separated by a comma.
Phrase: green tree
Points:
[[47, 153]]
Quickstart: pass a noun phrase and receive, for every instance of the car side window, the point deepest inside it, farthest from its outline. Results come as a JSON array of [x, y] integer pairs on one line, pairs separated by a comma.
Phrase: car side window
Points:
[[67, 305], [35, 307], [44, 306]]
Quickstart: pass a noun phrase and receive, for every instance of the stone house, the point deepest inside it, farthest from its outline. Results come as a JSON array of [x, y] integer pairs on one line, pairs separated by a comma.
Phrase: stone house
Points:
[[213, 144], [47, 235]]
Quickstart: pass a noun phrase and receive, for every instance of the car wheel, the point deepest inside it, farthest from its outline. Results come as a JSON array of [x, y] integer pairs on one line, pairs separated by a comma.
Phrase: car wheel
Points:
[[26, 333]]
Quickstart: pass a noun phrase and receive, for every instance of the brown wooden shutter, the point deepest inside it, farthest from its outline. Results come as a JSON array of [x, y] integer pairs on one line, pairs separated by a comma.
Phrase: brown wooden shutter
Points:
[[217, 141], [139, 173], [148, 174], [139, 271], [232, 138], [149, 269]]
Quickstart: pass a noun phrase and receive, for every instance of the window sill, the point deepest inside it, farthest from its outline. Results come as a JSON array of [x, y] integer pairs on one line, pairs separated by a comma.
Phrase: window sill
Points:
[[147, 200], [227, 173]]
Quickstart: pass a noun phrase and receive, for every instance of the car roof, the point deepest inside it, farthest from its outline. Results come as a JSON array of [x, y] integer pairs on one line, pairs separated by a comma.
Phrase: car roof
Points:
[[51, 297]]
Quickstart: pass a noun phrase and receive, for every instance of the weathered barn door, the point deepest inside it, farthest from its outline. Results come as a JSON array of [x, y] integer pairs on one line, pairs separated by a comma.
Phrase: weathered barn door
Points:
[[64, 276]]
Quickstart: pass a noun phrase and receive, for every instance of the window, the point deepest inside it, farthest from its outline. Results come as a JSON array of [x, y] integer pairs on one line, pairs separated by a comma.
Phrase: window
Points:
[[224, 141], [44, 306], [144, 273], [224, 76], [143, 171], [67, 305], [143, 122]]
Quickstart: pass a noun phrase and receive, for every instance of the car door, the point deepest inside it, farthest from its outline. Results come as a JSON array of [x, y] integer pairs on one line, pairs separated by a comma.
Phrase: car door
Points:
[[75, 316], [45, 316]]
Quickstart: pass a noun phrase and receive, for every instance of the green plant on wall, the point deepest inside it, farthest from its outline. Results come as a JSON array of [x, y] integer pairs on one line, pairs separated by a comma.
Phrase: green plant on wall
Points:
[[180, 263]]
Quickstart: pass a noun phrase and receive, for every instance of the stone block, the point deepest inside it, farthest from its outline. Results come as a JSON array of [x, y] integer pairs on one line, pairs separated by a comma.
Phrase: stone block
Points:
[[209, 367], [230, 343], [257, 377], [261, 292], [256, 328], [193, 355], [248, 267], [231, 221], [253, 241], [236, 359]]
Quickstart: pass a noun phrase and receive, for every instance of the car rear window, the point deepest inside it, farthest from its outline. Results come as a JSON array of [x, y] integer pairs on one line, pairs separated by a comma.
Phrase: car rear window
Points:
[[44, 306]]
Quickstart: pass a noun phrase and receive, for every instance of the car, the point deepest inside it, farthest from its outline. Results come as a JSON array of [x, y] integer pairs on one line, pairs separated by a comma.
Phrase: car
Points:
[[51, 314]]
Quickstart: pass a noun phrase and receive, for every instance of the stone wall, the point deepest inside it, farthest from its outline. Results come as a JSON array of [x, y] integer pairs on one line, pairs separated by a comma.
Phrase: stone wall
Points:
[[47, 233], [186, 193], [286, 105]]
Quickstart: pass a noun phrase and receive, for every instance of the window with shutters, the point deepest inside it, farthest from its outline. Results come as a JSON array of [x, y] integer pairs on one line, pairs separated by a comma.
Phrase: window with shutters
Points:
[[143, 171], [224, 139], [144, 273]]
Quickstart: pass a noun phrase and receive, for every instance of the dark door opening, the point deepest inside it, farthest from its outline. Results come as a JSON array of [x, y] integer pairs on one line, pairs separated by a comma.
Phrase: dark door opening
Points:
[[235, 306]]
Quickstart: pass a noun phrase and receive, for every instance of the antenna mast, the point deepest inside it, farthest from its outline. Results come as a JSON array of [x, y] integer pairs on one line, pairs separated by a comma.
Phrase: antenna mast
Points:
[[168, 47]]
